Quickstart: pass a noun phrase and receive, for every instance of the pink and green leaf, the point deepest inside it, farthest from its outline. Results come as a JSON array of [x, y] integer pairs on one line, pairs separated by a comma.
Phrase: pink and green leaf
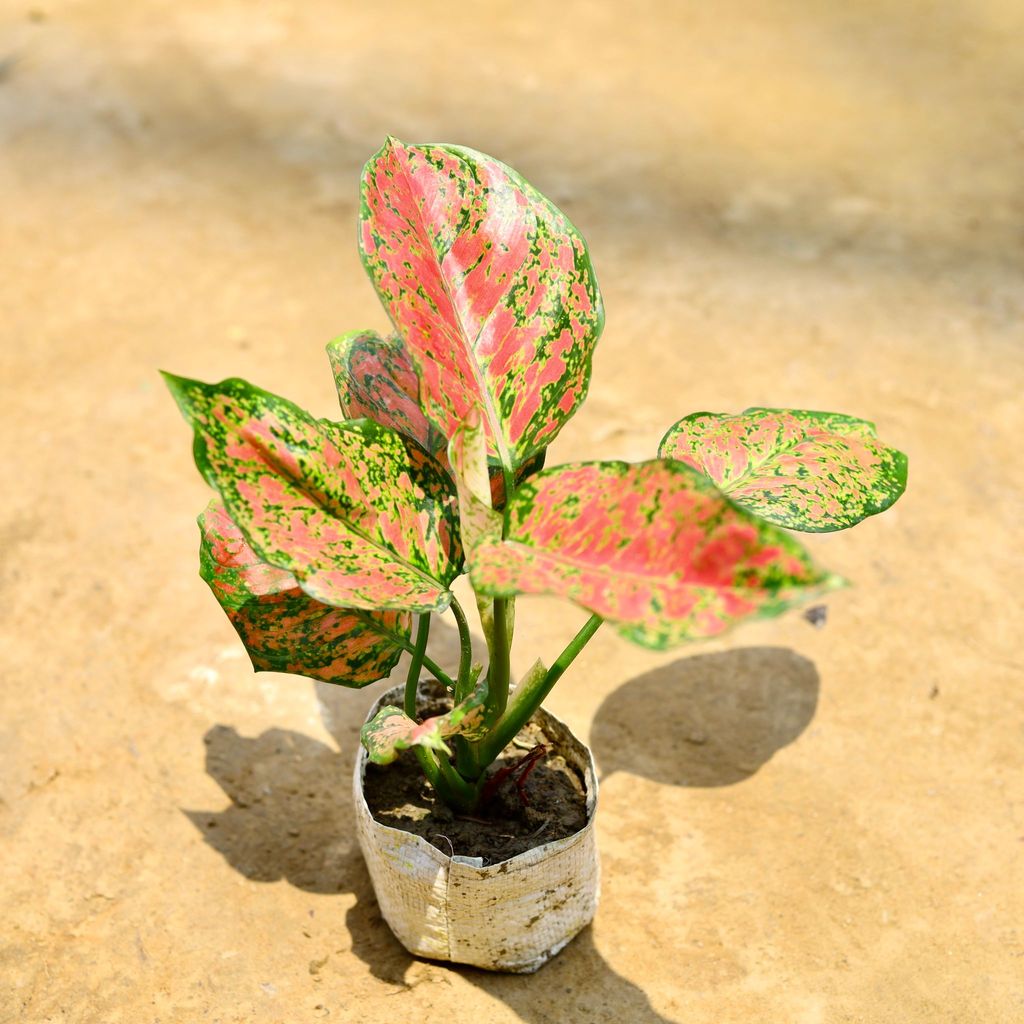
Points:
[[282, 627], [392, 731], [489, 285], [360, 516], [377, 379], [467, 456], [531, 467], [809, 471], [654, 548]]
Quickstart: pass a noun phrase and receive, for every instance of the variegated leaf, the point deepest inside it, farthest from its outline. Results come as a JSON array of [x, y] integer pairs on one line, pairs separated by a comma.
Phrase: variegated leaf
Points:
[[654, 548], [363, 518], [810, 471], [392, 731], [281, 626], [490, 286], [376, 378], [531, 467], [467, 455]]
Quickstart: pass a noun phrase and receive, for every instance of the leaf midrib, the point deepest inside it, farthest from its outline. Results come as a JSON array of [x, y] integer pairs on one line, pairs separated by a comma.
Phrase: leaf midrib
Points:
[[295, 481], [755, 468], [620, 573], [489, 408]]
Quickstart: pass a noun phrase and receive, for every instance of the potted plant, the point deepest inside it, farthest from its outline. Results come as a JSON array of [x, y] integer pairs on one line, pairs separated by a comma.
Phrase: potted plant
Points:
[[331, 544]]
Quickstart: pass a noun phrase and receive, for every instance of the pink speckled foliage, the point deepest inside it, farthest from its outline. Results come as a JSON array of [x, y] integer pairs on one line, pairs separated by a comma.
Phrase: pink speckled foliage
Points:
[[326, 536], [282, 627], [376, 379], [809, 471], [391, 730], [654, 548], [490, 287], [467, 455], [362, 518]]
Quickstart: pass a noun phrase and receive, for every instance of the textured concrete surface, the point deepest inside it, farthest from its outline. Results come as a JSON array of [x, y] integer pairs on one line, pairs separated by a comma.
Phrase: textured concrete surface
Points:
[[789, 203]]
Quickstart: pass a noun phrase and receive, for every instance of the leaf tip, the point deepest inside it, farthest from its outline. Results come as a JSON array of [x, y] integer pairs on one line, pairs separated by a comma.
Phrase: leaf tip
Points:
[[174, 383], [182, 391], [341, 342], [214, 509]]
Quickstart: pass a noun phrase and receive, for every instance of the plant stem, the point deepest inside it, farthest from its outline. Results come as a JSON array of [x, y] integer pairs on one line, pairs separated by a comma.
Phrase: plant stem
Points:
[[498, 671], [429, 765], [465, 652], [431, 666], [413, 678], [528, 698], [465, 759], [438, 673], [509, 479], [450, 787], [461, 793]]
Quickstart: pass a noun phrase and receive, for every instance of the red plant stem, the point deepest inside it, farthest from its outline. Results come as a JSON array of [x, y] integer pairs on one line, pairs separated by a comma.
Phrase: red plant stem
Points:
[[534, 759], [524, 765]]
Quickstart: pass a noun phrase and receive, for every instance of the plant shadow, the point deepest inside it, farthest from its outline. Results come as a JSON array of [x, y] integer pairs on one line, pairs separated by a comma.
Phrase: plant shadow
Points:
[[708, 719], [289, 818]]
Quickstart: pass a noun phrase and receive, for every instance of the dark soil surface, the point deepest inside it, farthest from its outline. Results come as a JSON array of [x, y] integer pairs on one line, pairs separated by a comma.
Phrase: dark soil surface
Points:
[[554, 808]]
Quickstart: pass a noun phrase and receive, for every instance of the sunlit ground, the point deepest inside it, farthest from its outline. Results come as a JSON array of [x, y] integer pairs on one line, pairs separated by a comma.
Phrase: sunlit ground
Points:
[[798, 204]]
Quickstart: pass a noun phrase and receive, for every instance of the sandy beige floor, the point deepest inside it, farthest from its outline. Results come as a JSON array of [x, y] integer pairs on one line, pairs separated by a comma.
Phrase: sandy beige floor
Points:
[[793, 203]]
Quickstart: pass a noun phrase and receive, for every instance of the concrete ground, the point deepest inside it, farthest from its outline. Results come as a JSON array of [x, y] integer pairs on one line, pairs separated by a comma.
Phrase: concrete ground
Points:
[[788, 203]]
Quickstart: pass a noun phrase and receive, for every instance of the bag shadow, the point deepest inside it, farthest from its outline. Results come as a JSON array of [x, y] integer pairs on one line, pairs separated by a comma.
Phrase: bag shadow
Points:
[[289, 818], [705, 720]]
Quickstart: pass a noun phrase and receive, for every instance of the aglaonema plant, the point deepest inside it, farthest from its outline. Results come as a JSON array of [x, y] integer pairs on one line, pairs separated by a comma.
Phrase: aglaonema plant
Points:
[[333, 543]]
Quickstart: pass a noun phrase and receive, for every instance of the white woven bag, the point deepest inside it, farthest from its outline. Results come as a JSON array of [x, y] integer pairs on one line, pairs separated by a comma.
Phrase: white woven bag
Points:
[[512, 916]]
